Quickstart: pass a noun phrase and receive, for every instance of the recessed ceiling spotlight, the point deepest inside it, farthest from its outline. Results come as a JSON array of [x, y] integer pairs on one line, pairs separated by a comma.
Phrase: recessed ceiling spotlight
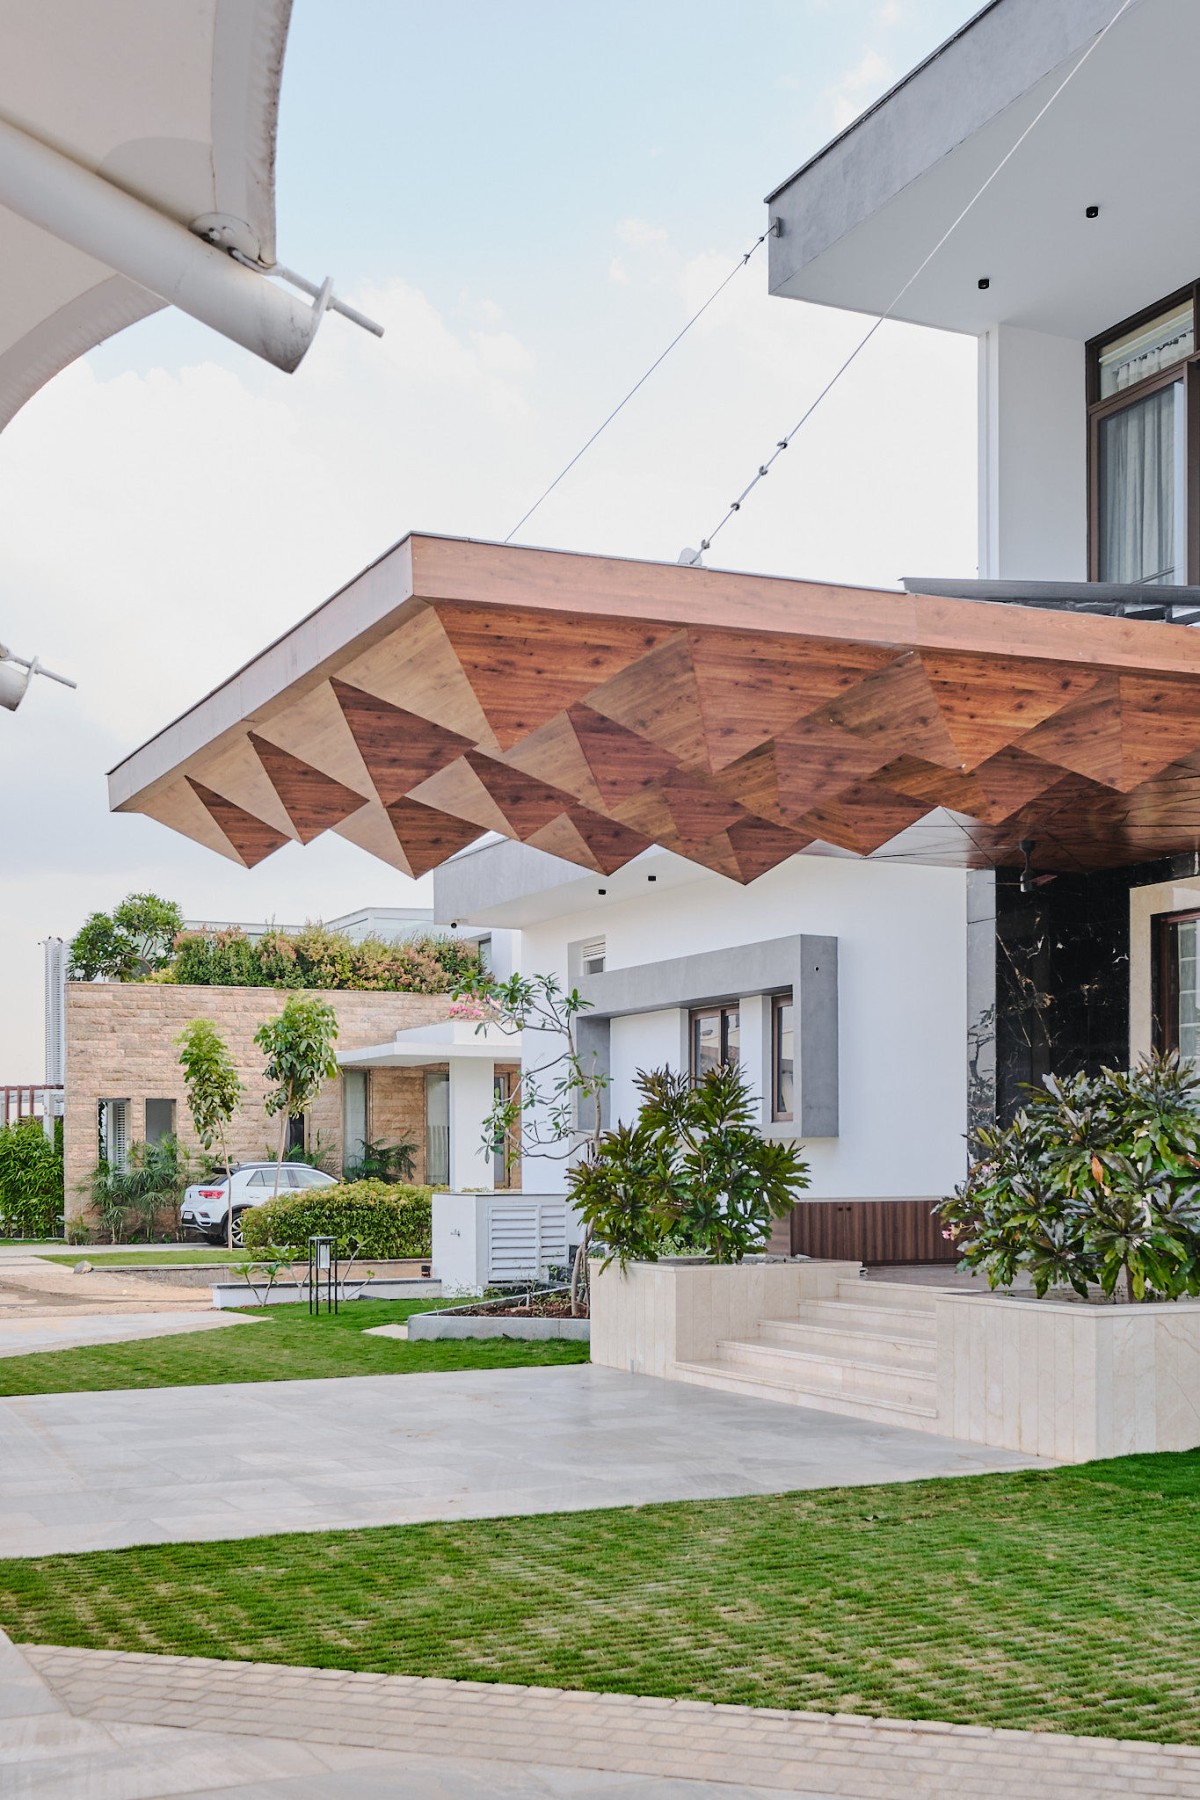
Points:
[[652, 878], [1092, 212], [985, 281], [602, 891]]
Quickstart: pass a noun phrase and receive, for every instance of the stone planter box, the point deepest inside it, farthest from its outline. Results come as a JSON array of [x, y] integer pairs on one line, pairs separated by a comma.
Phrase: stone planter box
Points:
[[1066, 1380], [658, 1315], [287, 1293], [449, 1325]]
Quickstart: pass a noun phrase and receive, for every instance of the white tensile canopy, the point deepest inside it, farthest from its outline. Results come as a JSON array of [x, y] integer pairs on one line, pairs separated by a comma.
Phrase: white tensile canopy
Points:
[[137, 150]]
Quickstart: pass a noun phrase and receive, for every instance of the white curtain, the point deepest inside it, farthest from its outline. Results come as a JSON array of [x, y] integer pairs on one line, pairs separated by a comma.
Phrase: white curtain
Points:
[[1137, 490]]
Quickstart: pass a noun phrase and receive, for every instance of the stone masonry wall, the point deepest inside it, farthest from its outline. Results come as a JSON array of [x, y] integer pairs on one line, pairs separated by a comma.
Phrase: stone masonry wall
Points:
[[121, 1045]]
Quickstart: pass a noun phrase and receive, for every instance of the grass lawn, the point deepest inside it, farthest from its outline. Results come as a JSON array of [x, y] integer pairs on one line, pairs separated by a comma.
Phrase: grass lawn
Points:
[[1064, 1600], [287, 1346], [168, 1257]]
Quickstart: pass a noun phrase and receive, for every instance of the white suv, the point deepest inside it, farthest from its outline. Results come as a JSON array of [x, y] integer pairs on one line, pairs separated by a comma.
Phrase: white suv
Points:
[[206, 1205]]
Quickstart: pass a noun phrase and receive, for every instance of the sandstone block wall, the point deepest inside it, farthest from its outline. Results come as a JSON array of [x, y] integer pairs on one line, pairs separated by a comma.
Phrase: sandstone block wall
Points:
[[121, 1046]]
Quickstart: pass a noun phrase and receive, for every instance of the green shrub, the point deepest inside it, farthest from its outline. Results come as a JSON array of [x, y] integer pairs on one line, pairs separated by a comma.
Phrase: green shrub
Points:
[[1095, 1184], [693, 1169], [319, 958], [382, 1219], [31, 1179]]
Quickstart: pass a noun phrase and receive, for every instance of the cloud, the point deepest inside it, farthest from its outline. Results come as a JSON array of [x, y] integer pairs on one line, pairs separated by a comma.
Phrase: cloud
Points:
[[870, 77], [161, 527], [639, 234]]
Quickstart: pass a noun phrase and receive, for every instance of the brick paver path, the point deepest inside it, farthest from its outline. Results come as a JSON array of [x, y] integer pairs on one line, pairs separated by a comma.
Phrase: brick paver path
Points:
[[796, 1752]]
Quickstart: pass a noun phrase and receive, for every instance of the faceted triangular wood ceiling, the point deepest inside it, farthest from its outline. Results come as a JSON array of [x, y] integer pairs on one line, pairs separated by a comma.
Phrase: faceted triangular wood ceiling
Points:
[[591, 707]]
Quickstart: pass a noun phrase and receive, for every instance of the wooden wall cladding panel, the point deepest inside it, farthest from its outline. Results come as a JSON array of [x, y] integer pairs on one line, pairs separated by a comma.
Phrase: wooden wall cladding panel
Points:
[[875, 1232], [580, 706]]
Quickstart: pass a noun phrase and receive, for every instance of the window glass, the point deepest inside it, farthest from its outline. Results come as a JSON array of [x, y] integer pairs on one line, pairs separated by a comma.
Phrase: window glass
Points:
[[592, 956], [260, 1178], [354, 1114], [1188, 988], [1141, 490], [1147, 350], [437, 1128], [716, 1038], [160, 1120], [783, 1056], [304, 1177]]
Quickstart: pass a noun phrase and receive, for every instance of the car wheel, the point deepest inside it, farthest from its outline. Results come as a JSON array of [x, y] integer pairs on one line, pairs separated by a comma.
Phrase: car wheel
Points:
[[239, 1242]]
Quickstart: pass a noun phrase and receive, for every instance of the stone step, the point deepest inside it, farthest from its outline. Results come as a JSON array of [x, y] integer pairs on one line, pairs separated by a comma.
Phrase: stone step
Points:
[[886, 1320], [912, 1296], [757, 1386], [893, 1347], [832, 1375]]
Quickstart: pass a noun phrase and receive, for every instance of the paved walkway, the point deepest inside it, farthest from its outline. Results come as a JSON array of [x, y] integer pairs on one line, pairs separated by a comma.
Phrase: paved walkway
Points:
[[59, 1743], [23, 1333], [101, 1470], [470, 1739]]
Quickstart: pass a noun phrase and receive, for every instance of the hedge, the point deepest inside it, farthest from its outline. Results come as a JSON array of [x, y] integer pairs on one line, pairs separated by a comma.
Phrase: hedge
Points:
[[385, 1219], [319, 958], [31, 1179]]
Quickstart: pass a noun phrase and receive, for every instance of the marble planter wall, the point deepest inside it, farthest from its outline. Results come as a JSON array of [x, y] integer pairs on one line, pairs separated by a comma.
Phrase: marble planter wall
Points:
[[1065, 1380], [656, 1315]]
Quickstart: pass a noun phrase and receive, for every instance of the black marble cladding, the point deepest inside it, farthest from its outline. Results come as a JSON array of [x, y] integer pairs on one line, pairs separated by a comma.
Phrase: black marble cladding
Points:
[[1062, 974]]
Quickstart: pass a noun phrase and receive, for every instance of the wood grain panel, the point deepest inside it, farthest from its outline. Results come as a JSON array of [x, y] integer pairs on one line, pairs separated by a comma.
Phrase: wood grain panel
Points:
[[878, 1233], [524, 668], [313, 801], [753, 688], [399, 748], [252, 839], [428, 837], [657, 698]]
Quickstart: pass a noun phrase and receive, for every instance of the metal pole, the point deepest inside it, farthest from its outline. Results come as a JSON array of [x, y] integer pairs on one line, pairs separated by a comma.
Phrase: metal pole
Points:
[[83, 209]]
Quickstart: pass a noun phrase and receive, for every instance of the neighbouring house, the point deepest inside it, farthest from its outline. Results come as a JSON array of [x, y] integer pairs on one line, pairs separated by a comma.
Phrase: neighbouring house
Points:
[[123, 1082], [897, 852]]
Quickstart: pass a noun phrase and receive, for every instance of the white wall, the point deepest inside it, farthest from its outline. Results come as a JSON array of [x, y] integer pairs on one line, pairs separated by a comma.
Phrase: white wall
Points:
[[902, 1001], [1032, 457]]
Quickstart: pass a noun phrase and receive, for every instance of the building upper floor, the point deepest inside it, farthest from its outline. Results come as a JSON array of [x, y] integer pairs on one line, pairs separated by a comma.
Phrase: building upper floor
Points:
[[1034, 184]]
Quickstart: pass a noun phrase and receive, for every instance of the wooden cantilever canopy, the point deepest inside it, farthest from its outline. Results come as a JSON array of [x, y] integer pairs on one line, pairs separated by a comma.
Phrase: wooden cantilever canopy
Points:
[[592, 707]]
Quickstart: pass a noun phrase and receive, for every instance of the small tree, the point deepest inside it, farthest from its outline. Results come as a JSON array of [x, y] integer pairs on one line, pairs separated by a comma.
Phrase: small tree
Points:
[[131, 942], [298, 1045], [214, 1090], [554, 1108], [693, 1168]]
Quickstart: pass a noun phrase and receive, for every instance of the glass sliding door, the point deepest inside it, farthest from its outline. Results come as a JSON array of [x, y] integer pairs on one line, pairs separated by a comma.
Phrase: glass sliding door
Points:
[[1142, 490], [1178, 1010], [1141, 409]]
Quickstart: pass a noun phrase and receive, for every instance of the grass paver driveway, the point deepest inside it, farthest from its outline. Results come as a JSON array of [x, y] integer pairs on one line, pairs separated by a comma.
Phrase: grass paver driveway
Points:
[[1062, 1600], [288, 1345]]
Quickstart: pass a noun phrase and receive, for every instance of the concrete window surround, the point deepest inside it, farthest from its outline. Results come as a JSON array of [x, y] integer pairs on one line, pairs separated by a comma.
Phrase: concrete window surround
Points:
[[747, 974]]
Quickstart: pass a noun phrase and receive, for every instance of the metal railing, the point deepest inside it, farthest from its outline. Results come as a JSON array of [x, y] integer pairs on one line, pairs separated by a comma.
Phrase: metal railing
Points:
[[29, 1100]]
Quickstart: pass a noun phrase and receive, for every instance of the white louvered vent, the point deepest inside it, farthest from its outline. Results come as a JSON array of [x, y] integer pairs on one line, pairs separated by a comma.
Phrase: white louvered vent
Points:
[[524, 1241]]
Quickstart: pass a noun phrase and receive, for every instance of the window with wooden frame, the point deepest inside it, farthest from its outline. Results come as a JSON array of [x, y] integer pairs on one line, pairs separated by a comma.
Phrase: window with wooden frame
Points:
[[1144, 447], [1177, 1012], [783, 1063], [716, 1033]]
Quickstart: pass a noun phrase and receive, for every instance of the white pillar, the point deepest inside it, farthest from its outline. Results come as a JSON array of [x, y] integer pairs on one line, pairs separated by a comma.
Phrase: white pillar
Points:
[[1032, 457], [471, 1080]]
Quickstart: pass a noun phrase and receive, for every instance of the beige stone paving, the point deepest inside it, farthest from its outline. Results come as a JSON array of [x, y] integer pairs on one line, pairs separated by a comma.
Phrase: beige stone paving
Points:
[[794, 1752]]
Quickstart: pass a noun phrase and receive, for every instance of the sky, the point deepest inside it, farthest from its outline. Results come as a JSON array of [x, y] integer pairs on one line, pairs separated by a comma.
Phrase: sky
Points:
[[532, 197]]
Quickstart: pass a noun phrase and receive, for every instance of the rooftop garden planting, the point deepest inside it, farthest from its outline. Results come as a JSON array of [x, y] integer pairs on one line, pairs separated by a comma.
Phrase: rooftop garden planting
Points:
[[144, 939]]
